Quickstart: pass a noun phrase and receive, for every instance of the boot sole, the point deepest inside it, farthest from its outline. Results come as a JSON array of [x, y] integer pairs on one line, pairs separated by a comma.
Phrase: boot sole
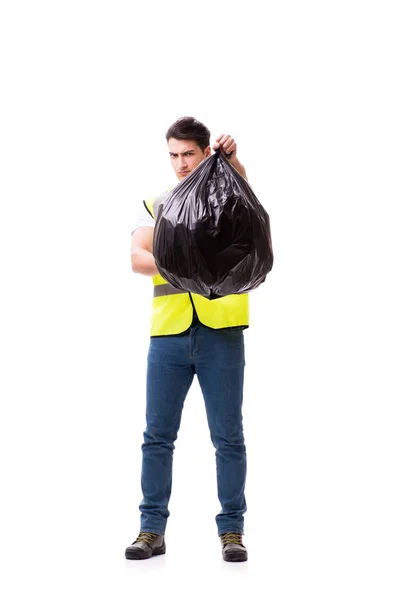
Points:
[[142, 555], [235, 557]]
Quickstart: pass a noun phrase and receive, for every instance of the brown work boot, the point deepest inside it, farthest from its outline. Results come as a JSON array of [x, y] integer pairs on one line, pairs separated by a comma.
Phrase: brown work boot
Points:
[[233, 549], [145, 546]]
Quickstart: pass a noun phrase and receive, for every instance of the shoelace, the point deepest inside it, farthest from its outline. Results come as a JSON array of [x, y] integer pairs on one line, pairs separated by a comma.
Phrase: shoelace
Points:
[[232, 538], [145, 537]]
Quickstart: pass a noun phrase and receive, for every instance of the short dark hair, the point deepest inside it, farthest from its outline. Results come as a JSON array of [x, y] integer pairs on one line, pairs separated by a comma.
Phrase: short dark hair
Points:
[[188, 128]]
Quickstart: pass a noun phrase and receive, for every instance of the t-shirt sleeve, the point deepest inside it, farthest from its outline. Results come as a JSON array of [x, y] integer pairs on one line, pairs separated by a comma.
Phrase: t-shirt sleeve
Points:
[[143, 218]]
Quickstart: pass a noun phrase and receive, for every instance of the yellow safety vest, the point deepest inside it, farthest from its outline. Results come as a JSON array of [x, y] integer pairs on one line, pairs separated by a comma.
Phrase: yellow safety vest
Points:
[[173, 310]]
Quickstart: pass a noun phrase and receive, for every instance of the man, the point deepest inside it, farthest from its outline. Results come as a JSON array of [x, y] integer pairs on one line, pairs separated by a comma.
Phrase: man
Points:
[[191, 335]]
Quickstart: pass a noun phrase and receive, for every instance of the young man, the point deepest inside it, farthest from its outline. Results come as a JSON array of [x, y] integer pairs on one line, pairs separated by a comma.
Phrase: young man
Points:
[[191, 335]]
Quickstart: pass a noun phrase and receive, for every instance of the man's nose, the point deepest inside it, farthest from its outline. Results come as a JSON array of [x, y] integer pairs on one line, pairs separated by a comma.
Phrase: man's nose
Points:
[[181, 163]]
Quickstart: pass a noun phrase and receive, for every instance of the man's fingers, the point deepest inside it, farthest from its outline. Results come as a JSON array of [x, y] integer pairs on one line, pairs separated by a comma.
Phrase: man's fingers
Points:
[[230, 148], [226, 143], [224, 139]]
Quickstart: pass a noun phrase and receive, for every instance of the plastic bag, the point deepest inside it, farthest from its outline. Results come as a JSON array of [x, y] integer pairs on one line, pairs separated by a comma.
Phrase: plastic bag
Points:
[[212, 236]]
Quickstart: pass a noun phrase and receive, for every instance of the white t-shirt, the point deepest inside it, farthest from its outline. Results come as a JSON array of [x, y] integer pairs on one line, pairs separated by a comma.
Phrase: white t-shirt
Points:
[[143, 218]]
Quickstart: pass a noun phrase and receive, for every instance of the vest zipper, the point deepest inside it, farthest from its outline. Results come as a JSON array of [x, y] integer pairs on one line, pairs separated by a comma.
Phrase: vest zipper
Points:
[[195, 316]]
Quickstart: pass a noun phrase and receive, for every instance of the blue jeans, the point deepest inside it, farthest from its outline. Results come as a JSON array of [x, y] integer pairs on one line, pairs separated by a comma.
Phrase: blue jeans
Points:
[[217, 358]]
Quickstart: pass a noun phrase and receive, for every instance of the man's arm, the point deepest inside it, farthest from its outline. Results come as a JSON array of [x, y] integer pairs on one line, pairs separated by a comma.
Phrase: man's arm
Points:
[[142, 251], [239, 167]]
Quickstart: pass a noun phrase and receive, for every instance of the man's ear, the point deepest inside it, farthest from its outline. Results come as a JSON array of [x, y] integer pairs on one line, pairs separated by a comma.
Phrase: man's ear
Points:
[[207, 151]]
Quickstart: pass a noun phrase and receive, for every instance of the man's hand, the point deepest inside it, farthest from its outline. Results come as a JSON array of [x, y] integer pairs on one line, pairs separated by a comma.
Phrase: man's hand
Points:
[[227, 145]]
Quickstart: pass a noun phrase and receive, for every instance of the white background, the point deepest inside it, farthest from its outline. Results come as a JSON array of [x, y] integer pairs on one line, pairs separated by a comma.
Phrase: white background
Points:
[[310, 92]]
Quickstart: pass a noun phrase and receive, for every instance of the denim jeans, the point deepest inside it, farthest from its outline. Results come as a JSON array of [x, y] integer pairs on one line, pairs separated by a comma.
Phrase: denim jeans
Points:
[[217, 358]]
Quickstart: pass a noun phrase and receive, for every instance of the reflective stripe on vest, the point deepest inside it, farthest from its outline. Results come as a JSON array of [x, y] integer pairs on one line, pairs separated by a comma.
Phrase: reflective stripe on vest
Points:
[[173, 310], [166, 289]]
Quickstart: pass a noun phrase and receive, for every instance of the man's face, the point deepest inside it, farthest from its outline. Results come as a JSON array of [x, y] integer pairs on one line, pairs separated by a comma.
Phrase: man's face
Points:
[[185, 156]]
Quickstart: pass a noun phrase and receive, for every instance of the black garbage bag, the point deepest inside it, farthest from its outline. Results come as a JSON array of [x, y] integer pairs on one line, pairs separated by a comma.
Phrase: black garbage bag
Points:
[[212, 236]]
